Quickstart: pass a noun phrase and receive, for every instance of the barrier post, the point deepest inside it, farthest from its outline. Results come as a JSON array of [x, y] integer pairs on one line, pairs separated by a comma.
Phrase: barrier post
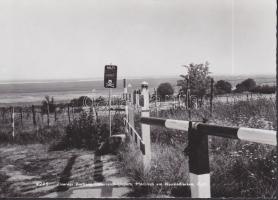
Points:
[[146, 137], [198, 163]]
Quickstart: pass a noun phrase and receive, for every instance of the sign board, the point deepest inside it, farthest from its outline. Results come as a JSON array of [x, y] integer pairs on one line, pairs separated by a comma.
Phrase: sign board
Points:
[[110, 76]]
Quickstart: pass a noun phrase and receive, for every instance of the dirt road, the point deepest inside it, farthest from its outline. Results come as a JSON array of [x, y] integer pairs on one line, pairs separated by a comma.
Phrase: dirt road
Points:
[[33, 171]]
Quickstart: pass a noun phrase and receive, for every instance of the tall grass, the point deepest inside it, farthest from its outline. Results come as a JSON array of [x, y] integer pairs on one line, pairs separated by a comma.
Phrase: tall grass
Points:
[[238, 169], [167, 175]]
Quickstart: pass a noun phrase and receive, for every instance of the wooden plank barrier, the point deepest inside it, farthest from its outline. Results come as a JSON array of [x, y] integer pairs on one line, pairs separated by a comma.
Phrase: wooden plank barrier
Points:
[[198, 146], [135, 136]]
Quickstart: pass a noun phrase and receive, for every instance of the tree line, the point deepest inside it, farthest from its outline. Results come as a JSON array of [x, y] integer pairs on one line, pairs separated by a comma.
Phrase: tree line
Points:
[[198, 81]]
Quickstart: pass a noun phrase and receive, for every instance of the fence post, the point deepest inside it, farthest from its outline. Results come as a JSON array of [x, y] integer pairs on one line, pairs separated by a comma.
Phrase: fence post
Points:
[[69, 112], [198, 163], [21, 116], [137, 97], [156, 110], [34, 115], [12, 120], [146, 137], [211, 95], [55, 113], [47, 113], [126, 99]]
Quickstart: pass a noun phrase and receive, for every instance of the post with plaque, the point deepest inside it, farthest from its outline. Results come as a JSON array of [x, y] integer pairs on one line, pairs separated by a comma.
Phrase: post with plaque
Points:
[[110, 81]]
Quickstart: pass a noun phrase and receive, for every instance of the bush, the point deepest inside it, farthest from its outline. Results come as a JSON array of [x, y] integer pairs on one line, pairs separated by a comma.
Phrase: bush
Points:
[[84, 133], [264, 89], [246, 85], [223, 87], [165, 89]]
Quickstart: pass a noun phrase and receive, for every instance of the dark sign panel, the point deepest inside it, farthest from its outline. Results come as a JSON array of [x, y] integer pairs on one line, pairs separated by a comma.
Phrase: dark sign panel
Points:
[[110, 76]]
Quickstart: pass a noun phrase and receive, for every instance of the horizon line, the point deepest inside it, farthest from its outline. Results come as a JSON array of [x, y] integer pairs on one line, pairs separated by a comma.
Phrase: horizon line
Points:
[[81, 79]]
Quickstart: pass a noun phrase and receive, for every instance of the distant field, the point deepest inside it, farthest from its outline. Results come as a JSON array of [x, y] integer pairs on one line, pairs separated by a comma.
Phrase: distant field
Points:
[[28, 93]]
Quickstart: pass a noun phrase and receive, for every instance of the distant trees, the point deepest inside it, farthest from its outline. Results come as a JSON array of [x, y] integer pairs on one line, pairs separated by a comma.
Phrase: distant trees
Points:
[[48, 105], [100, 101], [246, 85], [197, 79], [165, 89], [81, 101], [264, 89], [222, 87]]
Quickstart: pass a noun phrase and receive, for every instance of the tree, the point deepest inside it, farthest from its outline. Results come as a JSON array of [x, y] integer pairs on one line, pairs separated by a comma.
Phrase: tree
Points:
[[81, 101], [246, 85], [222, 87], [48, 104], [264, 89], [197, 79], [165, 89]]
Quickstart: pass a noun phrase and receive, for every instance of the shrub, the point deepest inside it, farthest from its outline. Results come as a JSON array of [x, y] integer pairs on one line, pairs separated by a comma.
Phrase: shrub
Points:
[[165, 89], [223, 87], [83, 133]]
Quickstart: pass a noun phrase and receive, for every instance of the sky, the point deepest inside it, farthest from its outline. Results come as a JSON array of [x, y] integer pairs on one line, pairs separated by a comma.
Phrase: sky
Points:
[[64, 39]]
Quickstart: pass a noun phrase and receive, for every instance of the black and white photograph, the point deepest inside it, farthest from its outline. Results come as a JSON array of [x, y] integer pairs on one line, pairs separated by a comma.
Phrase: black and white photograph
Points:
[[138, 98]]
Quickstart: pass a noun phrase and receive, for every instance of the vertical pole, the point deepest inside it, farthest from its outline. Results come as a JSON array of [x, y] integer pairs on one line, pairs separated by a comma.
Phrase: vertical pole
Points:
[[47, 113], [55, 113], [156, 110], [198, 163], [69, 113], [188, 99], [137, 97], [12, 119], [126, 99], [211, 96], [146, 137], [34, 115], [110, 123], [21, 116]]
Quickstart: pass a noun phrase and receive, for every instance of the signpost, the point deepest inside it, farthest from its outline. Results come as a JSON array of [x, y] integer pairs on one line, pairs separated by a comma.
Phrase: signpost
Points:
[[110, 81]]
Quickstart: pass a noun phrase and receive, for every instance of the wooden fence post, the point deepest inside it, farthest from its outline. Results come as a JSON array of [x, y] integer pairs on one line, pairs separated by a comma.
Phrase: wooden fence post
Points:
[[21, 116], [156, 109], [198, 163], [55, 113], [69, 112], [34, 115], [146, 137], [47, 113], [137, 97], [126, 99], [12, 120], [134, 98], [211, 96]]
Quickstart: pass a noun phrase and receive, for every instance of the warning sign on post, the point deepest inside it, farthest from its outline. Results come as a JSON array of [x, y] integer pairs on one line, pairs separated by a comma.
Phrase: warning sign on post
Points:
[[110, 76]]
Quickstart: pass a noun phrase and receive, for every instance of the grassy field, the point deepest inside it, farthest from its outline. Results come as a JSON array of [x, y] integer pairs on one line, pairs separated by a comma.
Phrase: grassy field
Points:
[[238, 169]]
